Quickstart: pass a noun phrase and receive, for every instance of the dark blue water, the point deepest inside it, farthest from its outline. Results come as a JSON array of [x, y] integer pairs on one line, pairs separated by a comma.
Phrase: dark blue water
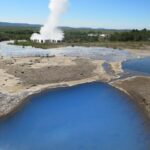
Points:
[[138, 65], [86, 117]]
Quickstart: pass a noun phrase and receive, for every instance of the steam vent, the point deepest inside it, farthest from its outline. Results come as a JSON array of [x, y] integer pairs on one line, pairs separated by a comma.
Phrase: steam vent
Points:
[[50, 32]]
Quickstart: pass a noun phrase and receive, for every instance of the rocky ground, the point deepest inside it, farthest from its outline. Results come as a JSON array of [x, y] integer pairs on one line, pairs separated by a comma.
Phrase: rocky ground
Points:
[[22, 77], [138, 88]]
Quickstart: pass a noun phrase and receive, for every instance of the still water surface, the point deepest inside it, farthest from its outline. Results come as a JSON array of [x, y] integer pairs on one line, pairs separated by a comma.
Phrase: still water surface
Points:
[[107, 54], [86, 117], [140, 66]]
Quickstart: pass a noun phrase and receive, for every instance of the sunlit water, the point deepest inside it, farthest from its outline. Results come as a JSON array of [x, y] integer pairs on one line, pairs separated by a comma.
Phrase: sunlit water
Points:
[[107, 54], [138, 66], [87, 117]]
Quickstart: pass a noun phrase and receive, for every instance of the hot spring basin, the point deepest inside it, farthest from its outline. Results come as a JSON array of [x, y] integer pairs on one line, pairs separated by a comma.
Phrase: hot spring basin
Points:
[[87, 117], [141, 65]]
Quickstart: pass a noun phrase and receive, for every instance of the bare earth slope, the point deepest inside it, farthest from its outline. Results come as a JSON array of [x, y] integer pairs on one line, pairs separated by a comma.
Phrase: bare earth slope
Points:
[[138, 88], [22, 77]]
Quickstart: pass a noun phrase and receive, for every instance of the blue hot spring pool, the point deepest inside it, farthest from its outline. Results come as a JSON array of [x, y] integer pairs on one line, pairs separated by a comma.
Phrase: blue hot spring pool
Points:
[[141, 65], [86, 117]]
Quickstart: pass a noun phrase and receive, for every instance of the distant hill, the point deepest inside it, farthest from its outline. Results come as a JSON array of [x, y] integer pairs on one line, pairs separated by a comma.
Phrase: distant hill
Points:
[[7, 24]]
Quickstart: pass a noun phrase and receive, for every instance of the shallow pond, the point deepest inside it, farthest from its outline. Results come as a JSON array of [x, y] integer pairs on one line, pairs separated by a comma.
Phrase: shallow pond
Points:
[[86, 117], [107, 54], [141, 66]]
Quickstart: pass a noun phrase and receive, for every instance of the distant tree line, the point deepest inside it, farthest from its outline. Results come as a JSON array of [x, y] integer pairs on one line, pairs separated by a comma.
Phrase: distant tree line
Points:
[[15, 33], [134, 35], [78, 35]]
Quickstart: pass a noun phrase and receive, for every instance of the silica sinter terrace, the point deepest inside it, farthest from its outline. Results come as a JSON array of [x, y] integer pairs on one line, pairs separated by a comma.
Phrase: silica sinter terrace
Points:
[[87, 117]]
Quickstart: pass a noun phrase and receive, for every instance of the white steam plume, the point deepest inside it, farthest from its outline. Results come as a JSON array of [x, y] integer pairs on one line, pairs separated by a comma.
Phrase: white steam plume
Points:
[[50, 30]]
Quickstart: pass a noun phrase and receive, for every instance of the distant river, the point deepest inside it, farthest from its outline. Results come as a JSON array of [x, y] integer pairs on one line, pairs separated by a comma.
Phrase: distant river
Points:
[[86, 117]]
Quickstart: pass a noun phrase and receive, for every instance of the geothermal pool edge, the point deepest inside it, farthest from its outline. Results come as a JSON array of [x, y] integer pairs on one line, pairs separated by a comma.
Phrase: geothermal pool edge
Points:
[[132, 96]]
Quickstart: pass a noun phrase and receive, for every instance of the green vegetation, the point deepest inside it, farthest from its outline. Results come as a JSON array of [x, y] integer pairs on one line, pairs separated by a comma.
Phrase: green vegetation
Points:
[[16, 33], [133, 39], [134, 35]]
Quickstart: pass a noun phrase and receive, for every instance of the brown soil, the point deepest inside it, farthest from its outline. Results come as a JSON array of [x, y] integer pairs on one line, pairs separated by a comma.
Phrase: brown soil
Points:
[[52, 74], [138, 88]]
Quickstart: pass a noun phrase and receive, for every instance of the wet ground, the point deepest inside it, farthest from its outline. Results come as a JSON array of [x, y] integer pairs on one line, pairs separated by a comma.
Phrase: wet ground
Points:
[[106, 54]]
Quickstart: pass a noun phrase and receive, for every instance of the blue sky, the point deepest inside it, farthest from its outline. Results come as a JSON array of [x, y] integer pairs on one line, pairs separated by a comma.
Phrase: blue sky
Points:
[[81, 13]]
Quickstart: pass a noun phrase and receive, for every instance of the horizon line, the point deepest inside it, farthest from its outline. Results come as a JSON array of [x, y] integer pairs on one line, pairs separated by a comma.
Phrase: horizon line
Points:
[[103, 28]]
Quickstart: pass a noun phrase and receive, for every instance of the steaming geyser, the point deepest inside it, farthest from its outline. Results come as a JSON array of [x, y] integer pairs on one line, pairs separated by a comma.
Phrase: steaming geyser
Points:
[[50, 31]]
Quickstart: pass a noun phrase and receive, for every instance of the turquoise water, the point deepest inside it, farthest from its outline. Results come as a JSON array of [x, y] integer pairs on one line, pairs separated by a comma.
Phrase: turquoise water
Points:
[[87, 117], [138, 65]]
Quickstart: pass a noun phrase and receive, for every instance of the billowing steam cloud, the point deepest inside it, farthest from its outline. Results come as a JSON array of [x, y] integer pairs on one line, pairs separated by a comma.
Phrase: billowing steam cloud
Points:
[[50, 30]]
